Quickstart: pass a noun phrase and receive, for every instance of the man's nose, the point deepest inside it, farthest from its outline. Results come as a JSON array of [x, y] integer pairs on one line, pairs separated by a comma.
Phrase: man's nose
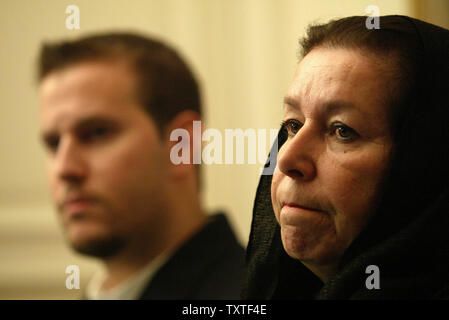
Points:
[[297, 157], [70, 163]]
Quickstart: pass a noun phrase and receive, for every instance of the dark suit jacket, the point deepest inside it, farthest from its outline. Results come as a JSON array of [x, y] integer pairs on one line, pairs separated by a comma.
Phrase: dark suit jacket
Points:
[[208, 266]]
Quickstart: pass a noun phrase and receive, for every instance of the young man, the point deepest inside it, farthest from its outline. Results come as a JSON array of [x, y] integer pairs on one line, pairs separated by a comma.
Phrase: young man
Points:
[[108, 105]]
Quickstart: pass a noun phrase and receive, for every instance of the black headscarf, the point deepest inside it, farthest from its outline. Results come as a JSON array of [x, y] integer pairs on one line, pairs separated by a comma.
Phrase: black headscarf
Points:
[[408, 237]]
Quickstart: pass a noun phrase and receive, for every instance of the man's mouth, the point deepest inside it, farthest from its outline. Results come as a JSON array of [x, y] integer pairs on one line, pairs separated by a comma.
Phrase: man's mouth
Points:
[[76, 205]]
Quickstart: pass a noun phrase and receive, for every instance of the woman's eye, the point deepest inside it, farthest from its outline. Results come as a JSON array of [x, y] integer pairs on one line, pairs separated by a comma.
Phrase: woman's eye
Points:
[[343, 132], [291, 126]]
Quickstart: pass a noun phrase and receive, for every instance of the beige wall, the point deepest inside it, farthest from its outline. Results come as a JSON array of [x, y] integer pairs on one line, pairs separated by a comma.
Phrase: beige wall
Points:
[[433, 11], [244, 53]]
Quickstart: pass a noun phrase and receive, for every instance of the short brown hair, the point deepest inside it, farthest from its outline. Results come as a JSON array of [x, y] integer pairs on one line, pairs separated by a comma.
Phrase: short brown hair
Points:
[[165, 84]]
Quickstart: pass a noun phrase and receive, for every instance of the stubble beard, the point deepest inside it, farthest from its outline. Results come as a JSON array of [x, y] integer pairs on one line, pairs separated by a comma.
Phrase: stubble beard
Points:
[[100, 247]]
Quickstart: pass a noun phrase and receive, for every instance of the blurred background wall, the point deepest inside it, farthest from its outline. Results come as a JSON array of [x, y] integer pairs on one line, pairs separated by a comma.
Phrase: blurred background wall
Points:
[[244, 53]]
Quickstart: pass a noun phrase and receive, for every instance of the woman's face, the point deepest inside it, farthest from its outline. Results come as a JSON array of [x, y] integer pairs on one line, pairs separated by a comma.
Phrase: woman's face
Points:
[[328, 171]]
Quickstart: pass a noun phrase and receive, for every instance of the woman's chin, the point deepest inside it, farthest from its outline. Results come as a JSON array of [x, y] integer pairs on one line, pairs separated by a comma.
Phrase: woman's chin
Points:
[[308, 251]]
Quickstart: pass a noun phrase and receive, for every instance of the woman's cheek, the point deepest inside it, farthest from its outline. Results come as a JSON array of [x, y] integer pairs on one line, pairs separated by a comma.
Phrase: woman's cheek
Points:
[[274, 189]]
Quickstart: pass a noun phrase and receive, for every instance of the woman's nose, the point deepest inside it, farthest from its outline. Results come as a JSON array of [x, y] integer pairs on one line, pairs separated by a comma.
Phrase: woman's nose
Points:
[[297, 156]]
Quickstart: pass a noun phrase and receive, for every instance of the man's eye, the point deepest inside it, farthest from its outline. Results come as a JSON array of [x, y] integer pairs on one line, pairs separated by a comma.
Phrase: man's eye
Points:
[[99, 132], [95, 133], [291, 127], [51, 142], [343, 132]]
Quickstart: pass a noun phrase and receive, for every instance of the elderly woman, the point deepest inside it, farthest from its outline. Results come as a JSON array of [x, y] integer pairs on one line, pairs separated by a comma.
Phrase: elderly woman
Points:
[[358, 205]]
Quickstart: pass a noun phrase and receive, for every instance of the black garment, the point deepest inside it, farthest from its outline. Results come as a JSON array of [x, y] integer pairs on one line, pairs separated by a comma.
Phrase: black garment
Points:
[[208, 266], [408, 237]]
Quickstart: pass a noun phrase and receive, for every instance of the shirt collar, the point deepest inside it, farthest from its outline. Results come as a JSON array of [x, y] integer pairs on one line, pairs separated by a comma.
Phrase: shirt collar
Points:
[[130, 289]]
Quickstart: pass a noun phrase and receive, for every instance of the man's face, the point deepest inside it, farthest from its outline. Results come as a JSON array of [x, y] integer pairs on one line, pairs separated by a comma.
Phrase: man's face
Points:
[[328, 172], [106, 162]]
